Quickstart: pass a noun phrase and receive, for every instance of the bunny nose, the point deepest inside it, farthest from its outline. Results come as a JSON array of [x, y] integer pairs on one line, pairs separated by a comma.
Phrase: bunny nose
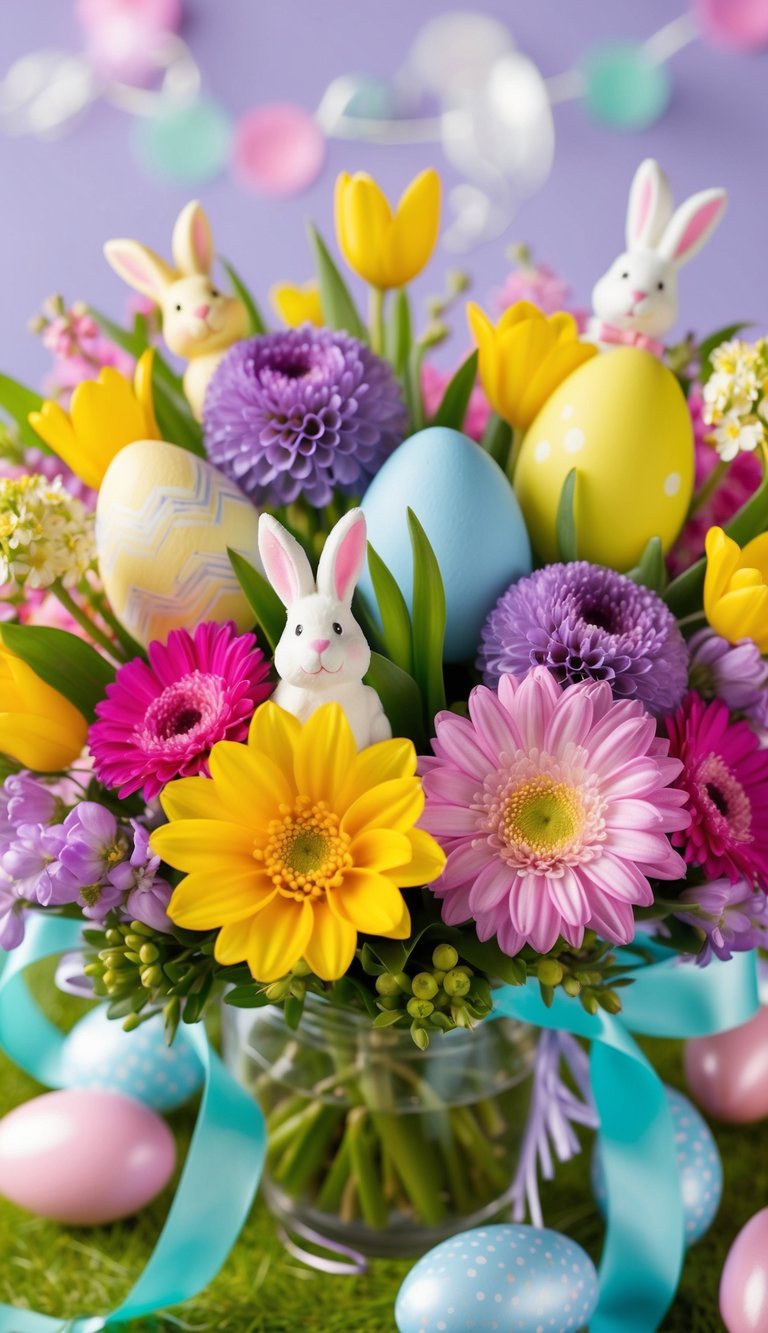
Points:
[[202, 311], [639, 296], [319, 645]]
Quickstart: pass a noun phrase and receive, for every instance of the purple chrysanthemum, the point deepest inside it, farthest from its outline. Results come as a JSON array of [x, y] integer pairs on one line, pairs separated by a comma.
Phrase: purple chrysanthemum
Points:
[[584, 622], [303, 412], [733, 917], [735, 673]]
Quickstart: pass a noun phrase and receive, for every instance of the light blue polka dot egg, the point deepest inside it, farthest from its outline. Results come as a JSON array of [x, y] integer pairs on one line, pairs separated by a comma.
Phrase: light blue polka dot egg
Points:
[[514, 1279], [701, 1170], [471, 516], [99, 1054]]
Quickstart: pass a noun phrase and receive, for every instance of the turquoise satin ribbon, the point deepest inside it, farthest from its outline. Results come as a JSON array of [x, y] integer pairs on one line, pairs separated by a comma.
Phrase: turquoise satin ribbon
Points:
[[221, 1171], [644, 1243]]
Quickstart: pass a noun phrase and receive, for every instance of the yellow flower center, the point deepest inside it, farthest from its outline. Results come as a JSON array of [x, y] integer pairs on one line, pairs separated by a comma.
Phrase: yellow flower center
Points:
[[306, 852], [542, 815]]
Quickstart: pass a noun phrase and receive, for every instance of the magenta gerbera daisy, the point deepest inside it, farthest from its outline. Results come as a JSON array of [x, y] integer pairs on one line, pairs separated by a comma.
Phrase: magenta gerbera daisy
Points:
[[160, 718], [553, 806], [725, 774]]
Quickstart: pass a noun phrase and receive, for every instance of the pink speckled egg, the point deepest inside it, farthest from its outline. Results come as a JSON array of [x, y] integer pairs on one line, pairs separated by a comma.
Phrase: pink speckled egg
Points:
[[84, 1156], [744, 1284], [728, 1072]]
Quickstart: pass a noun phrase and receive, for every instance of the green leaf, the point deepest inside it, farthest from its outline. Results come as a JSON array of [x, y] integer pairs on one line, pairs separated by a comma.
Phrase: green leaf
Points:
[[497, 440], [400, 698], [685, 594], [246, 997], [262, 598], [174, 418], [369, 962], [488, 957], [428, 619], [293, 1010], [414, 400], [565, 526], [707, 347], [401, 332], [388, 1018], [395, 619], [339, 310], [63, 661], [455, 401], [255, 319], [18, 401], [651, 571]]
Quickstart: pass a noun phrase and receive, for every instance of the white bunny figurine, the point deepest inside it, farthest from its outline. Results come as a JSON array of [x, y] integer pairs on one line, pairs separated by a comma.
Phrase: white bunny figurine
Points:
[[199, 322], [322, 655], [635, 303]]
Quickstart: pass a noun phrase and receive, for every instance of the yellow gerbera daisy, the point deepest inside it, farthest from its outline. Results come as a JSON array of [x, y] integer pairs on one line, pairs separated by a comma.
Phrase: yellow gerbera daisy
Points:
[[296, 842]]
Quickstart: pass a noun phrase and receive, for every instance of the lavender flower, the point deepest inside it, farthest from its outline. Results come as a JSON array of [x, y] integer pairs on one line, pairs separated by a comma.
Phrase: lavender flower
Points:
[[303, 412], [12, 912], [94, 843], [30, 859], [148, 894], [733, 917], [735, 673], [30, 801], [585, 622]]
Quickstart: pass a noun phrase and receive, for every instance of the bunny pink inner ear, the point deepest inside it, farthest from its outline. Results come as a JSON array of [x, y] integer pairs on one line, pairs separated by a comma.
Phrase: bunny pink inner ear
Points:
[[201, 242], [643, 208], [701, 221], [279, 567], [138, 273], [349, 561]]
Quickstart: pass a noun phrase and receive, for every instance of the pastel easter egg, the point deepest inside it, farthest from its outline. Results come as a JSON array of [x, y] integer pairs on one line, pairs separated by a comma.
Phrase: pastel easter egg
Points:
[[622, 422], [164, 520], [728, 1072], [744, 1283], [84, 1157], [470, 515], [698, 1160], [99, 1054], [500, 1277]]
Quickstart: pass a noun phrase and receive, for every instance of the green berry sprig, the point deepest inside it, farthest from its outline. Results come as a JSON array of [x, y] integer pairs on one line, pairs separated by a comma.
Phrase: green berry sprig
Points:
[[448, 996]]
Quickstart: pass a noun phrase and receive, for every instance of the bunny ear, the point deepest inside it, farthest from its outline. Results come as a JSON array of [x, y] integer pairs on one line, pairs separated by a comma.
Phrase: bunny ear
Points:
[[692, 225], [285, 562], [192, 244], [140, 267], [342, 557], [650, 206]]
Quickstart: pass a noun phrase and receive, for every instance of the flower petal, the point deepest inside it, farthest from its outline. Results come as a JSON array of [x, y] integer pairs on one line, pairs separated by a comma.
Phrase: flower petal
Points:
[[203, 901], [379, 849], [204, 844], [370, 902], [248, 783], [325, 752], [275, 733], [426, 863], [397, 804], [279, 936], [377, 763], [332, 946]]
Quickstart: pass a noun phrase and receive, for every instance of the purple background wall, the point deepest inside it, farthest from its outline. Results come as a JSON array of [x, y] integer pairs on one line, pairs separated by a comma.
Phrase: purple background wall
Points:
[[61, 200]]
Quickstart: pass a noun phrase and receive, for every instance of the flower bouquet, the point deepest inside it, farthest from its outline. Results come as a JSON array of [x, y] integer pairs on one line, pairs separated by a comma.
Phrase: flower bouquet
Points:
[[319, 705]]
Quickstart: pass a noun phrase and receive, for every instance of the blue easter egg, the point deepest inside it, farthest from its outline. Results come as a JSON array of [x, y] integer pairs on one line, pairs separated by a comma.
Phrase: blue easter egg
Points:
[[701, 1170], [500, 1277], [470, 515], [140, 1064]]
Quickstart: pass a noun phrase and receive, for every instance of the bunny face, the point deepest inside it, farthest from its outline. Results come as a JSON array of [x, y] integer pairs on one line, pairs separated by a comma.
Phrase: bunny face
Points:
[[322, 645], [198, 318], [638, 292]]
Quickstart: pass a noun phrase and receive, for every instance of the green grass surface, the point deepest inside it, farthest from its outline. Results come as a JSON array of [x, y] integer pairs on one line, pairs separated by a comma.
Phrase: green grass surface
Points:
[[262, 1289]]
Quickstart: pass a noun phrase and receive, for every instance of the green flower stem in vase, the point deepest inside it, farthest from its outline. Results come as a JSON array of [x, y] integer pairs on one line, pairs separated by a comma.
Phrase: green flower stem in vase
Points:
[[374, 1142]]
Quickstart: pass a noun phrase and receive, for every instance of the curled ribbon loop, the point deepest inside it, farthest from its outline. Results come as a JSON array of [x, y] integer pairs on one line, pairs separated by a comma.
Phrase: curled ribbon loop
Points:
[[644, 1243]]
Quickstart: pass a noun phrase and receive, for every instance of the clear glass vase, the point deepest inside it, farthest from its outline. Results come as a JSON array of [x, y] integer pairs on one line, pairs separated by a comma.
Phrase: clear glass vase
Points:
[[373, 1143]]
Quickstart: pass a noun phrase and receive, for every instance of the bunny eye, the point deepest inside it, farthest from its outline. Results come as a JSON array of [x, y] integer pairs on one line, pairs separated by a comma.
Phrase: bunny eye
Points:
[[336, 627], [215, 292], [660, 286], [299, 630], [178, 307], [625, 275]]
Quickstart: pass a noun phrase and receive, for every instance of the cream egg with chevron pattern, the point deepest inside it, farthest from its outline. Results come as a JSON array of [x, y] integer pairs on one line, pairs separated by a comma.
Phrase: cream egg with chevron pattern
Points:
[[164, 520]]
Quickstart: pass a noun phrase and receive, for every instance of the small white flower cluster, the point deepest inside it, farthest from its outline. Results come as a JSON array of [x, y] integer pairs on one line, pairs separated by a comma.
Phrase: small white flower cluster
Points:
[[736, 397], [46, 535]]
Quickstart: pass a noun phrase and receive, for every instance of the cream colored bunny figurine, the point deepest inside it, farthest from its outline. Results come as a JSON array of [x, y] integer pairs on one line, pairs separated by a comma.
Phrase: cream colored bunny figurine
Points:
[[322, 655], [199, 321]]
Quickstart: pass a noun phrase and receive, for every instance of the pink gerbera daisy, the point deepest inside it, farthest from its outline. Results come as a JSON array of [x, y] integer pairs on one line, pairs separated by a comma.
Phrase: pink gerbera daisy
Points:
[[553, 806], [161, 718], [725, 773]]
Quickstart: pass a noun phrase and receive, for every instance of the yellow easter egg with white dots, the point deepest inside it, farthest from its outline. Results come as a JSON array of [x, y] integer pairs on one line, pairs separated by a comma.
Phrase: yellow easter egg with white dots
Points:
[[621, 420], [164, 520]]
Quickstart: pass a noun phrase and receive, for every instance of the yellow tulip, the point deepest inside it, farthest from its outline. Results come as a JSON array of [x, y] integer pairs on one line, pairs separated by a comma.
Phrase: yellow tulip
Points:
[[297, 305], [38, 727], [736, 588], [105, 414], [387, 249], [525, 357]]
